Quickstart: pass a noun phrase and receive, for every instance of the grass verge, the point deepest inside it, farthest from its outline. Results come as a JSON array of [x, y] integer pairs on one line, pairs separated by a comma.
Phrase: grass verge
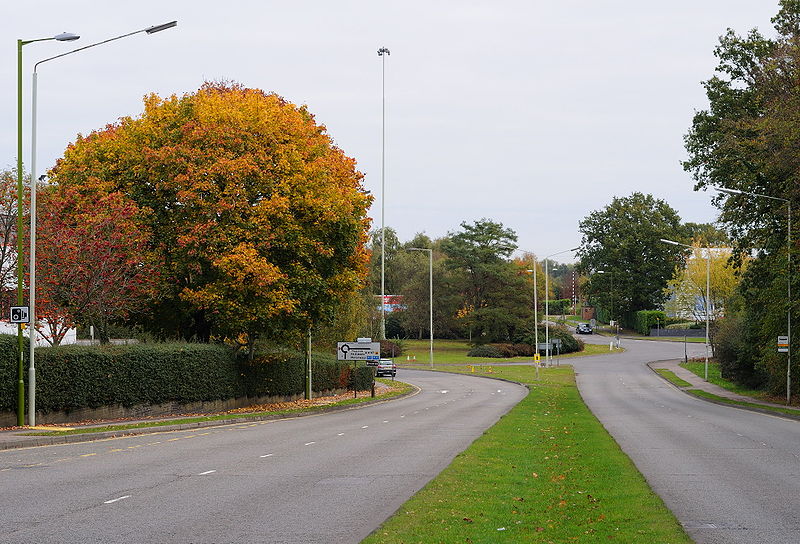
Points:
[[715, 377], [398, 388], [450, 352], [671, 377], [776, 409], [546, 472]]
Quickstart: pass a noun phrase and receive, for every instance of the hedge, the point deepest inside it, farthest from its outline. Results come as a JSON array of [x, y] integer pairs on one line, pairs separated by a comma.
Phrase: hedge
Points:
[[644, 320], [72, 377]]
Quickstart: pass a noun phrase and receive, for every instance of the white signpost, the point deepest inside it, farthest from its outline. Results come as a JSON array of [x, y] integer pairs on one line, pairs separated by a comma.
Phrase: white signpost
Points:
[[358, 351]]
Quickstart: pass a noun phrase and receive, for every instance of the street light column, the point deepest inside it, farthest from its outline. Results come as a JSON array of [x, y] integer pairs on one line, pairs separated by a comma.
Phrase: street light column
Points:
[[32, 266], [383, 53]]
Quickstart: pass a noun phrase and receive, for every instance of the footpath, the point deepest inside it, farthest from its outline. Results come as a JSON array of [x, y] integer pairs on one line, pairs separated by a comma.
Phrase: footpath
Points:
[[699, 383]]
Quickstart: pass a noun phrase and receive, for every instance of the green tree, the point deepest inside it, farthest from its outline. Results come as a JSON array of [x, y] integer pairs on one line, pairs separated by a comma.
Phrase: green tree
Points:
[[747, 140], [623, 240]]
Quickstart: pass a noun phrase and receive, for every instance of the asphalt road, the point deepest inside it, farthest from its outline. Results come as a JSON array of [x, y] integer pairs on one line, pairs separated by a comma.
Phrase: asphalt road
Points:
[[730, 476], [328, 478]]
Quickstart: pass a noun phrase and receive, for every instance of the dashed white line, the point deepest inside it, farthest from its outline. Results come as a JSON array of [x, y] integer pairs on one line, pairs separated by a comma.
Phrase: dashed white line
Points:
[[386, 421], [340, 434], [365, 426], [267, 455], [309, 443], [207, 472], [117, 499]]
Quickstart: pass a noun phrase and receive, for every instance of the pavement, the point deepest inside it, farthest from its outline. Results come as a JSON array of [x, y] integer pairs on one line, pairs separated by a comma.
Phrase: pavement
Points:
[[699, 383]]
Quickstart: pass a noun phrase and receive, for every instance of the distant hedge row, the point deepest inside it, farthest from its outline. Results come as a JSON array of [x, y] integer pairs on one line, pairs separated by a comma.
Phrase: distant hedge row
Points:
[[525, 348], [72, 377]]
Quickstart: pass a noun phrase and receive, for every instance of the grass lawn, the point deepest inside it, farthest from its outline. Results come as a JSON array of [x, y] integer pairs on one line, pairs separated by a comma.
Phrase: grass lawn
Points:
[[715, 377], [454, 352], [546, 472]]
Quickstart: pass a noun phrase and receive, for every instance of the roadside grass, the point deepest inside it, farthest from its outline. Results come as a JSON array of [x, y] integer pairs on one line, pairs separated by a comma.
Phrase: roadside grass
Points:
[[715, 377], [671, 377], [546, 472], [453, 352], [399, 388], [776, 409]]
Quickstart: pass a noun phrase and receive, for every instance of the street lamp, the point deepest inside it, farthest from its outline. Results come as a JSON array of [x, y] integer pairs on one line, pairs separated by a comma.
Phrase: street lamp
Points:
[[547, 298], [788, 278], [32, 281], [535, 307], [430, 292], [708, 290], [63, 37], [383, 53]]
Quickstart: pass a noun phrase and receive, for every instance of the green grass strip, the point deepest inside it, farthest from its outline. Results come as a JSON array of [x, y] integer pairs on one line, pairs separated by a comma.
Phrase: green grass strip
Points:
[[404, 388], [712, 396], [715, 377], [671, 377], [546, 472]]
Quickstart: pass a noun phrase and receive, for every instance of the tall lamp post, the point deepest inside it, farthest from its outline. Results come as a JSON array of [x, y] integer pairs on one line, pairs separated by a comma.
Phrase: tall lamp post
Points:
[[547, 297], [63, 37], [430, 294], [32, 282], [383, 53], [708, 290], [535, 307], [788, 278]]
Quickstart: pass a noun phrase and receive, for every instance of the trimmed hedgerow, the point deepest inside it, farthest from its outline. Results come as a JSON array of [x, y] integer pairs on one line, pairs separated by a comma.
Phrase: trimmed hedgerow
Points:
[[73, 377], [484, 351]]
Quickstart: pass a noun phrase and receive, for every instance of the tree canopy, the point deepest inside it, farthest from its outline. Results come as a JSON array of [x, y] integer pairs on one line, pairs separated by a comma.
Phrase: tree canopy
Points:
[[258, 220], [623, 240]]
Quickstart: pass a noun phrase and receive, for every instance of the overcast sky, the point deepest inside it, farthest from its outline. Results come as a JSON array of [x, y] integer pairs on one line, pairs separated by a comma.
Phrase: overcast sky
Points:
[[531, 113]]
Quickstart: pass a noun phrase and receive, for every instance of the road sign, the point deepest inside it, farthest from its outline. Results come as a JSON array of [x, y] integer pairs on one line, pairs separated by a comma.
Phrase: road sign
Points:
[[556, 341], [783, 344], [544, 346], [358, 351], [536, 357], [19, 314]]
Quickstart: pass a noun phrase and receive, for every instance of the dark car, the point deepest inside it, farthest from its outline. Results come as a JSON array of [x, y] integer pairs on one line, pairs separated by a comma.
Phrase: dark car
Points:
[[583, 328]]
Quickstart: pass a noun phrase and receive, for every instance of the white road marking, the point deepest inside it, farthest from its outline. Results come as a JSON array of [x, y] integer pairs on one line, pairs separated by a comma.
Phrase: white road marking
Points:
[[117, 499], [267, 455], [365, 426], [443, 391], [386, 421], [309, 443], [207, 472], [340, 434]]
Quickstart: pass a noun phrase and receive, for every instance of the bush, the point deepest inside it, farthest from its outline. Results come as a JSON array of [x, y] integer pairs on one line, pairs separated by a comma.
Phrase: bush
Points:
[[560, 306], [391, 349], [484, 351], [569, 343], [9, 360]]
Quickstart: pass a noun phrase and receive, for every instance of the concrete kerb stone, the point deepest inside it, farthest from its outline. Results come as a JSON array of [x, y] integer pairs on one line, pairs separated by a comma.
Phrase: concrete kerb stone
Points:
[[15, 440]]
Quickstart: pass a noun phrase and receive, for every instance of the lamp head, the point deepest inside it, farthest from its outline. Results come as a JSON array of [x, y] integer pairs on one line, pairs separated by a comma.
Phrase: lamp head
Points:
[[66, 37], [383, 51], [159, 28]]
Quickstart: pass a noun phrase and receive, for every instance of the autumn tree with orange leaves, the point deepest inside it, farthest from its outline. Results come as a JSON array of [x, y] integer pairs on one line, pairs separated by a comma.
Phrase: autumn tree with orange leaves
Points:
[[257, 219]]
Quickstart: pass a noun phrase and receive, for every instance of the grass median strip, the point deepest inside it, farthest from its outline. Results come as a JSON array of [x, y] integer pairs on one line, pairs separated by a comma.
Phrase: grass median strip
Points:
[[546, 472], [671, 377], [397, 389]]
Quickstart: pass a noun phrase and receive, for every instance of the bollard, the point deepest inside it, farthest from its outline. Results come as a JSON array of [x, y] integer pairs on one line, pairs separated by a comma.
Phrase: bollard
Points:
[[611, 346]]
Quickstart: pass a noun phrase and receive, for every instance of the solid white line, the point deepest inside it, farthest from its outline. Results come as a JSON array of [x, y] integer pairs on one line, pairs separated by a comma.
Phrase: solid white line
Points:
[[206, 472], [117, 499], [267, 455]]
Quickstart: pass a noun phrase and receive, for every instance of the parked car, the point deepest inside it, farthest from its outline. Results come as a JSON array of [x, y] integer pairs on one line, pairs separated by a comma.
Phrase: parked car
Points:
[[386, 367], [583, 328]]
